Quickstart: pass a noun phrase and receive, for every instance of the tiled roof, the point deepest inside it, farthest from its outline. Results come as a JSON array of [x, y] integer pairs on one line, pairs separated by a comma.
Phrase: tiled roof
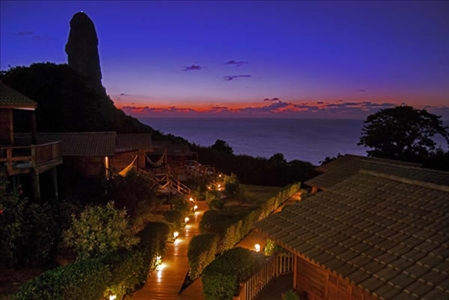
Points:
[[173, 149], [134, 142], [386, 236], [332, 165], [348, 167], [10, 98], [77, 143]]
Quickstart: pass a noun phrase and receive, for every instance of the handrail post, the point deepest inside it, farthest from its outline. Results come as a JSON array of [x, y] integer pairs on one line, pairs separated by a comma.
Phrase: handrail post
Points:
[[33, 155], [9, 156]]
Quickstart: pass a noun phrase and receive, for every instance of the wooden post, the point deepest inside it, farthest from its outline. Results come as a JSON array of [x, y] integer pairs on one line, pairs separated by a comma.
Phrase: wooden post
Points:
[[36, 186], [295, 266], [33, 128], [54, 174]]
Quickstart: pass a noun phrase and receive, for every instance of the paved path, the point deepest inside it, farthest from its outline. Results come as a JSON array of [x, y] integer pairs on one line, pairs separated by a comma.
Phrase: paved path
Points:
[[195, 290], [165, 283]]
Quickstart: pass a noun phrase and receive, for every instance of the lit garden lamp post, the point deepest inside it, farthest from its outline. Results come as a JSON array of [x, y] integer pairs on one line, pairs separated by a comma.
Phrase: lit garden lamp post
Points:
[[175, 235], [257, 247], [195, 208], [186, 220]]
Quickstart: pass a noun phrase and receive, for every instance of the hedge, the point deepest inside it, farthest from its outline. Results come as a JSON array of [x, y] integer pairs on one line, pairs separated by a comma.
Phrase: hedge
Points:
[[87, 279], [202, 249], [230, 228], [233, 227], [221, 278], [118, 273]]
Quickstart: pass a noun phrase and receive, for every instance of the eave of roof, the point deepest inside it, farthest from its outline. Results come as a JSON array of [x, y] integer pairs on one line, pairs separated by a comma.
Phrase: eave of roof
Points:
[[12, 99]]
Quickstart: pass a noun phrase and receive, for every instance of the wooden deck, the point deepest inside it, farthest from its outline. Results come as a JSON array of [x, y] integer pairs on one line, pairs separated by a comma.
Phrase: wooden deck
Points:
[[166, 283]]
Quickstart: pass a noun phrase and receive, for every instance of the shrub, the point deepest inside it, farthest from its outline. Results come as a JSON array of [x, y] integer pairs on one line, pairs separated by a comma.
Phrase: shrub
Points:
[[82, 280], [233, 226], [118, 273], [221, 278], [174, 216], [98, 231], [202, 249], [290, 295], [216, 204], [28, 231]]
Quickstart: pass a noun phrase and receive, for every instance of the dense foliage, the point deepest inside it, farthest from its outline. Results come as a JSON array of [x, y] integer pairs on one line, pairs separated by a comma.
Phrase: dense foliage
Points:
[[201, 252], [28, 231], [117, 273], [274, 171], [68, 101], [231, 226], [99, 230], [402, 133], [221, 230], [82, 280], [221, 278], [136, 192]]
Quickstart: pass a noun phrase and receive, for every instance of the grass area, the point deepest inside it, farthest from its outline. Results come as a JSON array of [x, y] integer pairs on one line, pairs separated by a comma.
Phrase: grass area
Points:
[[254, 195], [260, 194]]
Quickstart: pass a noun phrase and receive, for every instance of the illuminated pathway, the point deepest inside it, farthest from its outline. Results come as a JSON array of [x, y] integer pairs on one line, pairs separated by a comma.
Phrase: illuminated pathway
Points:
[[165, 283], [195, 290]]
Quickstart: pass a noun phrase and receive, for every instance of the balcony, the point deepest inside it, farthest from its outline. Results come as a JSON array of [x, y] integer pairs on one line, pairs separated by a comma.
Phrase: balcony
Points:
[[16, 160]]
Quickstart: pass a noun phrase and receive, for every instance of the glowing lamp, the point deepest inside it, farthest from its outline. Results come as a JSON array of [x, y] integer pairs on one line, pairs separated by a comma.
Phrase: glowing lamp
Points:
[[175, 234], [191, 199], [219, 185], [112, 297], [257, 247], [186, 219], [195, 207]]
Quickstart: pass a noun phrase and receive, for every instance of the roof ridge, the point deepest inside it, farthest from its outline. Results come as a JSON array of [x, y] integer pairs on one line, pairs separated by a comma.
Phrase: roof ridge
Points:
[[434, 186], [383, 161]]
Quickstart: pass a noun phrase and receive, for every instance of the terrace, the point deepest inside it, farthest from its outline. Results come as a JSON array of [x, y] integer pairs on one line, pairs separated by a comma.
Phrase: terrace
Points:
[[15, 160]]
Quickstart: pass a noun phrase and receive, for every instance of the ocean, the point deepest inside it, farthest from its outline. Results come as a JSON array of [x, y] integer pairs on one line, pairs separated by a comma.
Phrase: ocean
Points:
[[303, 139]]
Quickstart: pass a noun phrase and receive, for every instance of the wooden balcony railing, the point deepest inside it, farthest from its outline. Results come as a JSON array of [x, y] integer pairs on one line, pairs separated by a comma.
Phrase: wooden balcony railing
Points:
[[279, 264], [20, 159]]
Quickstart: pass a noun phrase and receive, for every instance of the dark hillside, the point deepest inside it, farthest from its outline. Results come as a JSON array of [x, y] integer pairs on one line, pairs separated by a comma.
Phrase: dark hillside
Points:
[[68, 101]]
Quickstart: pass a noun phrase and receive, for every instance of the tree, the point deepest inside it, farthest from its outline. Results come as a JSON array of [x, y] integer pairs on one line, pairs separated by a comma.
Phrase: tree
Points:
[[402, 133], [99, 230], [222, 146], [136, 192]]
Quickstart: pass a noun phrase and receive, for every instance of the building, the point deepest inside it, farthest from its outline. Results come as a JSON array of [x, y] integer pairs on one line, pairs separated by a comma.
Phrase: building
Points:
[[29, 158], [370, 234]]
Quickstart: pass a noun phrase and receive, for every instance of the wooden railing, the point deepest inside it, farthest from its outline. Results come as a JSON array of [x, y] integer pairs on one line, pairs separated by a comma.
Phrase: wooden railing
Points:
[[279, 264], [34, 155]]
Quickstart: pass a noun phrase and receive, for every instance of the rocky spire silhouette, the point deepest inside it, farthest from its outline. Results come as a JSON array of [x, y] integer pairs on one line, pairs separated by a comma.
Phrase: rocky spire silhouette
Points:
[[82, 48]]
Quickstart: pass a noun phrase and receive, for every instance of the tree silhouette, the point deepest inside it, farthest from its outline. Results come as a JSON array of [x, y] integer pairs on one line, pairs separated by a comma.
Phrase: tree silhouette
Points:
[[402, 133], [222, 146]]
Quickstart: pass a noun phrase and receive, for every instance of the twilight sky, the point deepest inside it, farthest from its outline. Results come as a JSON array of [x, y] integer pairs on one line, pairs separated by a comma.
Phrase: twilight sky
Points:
[[294, 59]]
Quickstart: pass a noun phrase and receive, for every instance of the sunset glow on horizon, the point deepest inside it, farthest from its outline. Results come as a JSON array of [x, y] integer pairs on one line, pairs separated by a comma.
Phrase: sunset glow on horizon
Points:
[[248, 59]]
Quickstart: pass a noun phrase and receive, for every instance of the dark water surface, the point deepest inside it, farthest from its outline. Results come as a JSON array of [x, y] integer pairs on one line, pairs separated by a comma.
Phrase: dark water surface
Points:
[[304, 139]]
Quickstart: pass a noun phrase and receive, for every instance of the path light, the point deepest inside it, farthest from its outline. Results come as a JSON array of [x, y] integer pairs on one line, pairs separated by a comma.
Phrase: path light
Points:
[[257, 247], [191, 199], [186, 219], [112, 297], [195, 207], [175, 234]]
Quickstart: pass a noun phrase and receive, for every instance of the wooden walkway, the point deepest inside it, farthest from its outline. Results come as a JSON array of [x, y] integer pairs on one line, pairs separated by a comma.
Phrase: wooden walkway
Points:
[[166, 283], [195, 290]]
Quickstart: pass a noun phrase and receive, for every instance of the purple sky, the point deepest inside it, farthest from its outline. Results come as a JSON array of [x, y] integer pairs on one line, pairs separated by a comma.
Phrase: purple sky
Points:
[[307, 59]]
